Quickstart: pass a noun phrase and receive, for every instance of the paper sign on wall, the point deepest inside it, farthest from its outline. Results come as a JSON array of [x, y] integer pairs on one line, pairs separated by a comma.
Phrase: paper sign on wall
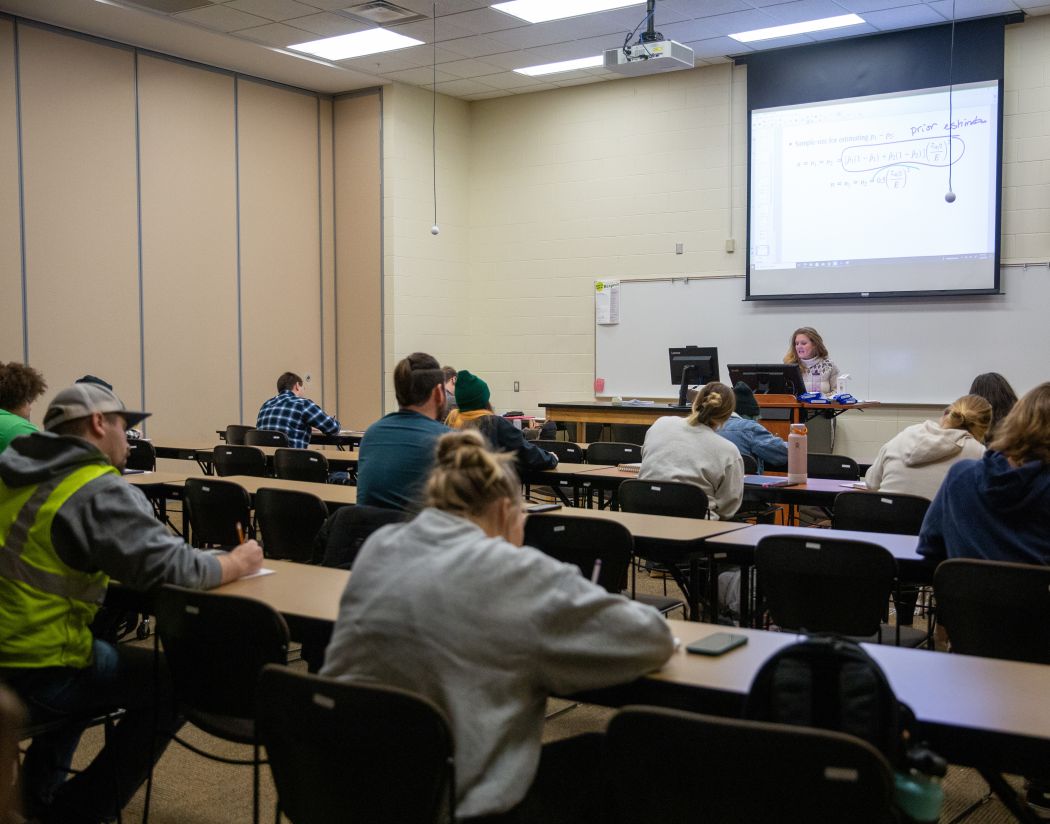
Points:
[[607, 302]]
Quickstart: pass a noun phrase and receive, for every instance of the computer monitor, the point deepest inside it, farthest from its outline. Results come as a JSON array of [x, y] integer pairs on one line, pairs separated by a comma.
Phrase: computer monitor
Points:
[[703, 359], [769, 378]]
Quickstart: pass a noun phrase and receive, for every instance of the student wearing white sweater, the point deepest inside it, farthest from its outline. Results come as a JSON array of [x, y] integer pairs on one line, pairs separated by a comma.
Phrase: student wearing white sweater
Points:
[[690, 449], [452, 607], [916, 460]]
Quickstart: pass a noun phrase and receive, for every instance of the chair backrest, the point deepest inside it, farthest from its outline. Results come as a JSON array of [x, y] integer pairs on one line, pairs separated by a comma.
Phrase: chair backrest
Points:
[[343, 534], [835, 467], [239, 460], [265, 437], [822, 585], [995, 609], [216, 646], [879, 512], [235, 433], [567, 451], [141, 455], [289, 521], [215, 508], [583, 542], [343, 751], [611, 452], [677, 498], [300, 465], [680, 768], [750, 465]]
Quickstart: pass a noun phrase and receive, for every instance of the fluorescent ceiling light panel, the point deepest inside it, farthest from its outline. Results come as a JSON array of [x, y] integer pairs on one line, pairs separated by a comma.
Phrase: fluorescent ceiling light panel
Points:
[[358, 44], [540, 11], [798, 28], [563, 66]]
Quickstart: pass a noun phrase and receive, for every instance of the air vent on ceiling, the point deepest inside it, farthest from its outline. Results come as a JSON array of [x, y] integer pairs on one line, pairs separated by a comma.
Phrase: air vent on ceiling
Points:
[[170, 6], [382, 13]]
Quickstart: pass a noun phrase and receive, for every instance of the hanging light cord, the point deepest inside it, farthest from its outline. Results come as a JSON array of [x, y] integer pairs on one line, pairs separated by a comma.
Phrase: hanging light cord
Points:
[[951, 116], [433, 112]]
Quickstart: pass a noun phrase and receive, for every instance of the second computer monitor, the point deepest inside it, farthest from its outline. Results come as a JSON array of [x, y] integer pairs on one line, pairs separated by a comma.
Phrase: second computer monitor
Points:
[[703, 359], [768, 378]]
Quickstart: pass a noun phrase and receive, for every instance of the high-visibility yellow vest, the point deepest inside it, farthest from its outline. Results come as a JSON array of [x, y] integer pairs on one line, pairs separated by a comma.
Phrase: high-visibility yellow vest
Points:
[[46, 607]]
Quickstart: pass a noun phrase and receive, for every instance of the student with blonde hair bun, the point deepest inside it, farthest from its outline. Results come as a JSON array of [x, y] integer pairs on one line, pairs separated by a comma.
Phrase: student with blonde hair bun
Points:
[[998, 508], [915, 461], [691, 450], [452, 607]]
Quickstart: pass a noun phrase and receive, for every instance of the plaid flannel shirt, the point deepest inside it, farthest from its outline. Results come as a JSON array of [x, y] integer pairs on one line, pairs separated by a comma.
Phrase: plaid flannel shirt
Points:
[[294, 416]]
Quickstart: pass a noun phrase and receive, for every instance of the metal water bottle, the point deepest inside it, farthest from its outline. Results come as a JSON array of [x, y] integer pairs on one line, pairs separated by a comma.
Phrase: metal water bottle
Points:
[[798, 452]]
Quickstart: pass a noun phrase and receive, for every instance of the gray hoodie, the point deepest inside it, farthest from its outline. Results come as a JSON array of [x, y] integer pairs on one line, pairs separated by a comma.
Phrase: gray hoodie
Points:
[[486, 630], [107, 524], [916, 460]]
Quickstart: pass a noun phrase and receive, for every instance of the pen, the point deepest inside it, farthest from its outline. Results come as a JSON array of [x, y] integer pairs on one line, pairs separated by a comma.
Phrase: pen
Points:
[[240, 533], [596, 571]]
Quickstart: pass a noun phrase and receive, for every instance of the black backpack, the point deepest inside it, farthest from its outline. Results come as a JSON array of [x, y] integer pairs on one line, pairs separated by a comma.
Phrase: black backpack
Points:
[[830, 682]]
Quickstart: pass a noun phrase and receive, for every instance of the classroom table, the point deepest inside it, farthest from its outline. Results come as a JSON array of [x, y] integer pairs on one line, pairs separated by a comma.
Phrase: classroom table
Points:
[[566, 479], [974, 711]]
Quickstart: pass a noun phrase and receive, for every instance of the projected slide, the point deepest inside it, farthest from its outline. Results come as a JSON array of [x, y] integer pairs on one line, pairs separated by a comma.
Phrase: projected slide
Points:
[[848, 196]]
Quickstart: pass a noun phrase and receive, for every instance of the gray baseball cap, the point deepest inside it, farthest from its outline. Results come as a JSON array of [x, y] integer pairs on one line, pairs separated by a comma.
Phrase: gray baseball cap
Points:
[[83, 399]]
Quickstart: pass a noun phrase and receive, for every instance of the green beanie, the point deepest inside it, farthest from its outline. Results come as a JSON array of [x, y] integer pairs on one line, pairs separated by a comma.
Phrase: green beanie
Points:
[[746, 405], [471, 392]]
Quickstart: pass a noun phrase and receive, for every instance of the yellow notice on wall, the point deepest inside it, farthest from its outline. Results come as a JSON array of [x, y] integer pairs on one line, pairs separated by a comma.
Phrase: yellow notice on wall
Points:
[[606, 302]]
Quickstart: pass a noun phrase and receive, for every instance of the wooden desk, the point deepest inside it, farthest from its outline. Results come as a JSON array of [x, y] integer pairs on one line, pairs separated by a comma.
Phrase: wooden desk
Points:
[[974, 711], [814, 492], [666, 540]]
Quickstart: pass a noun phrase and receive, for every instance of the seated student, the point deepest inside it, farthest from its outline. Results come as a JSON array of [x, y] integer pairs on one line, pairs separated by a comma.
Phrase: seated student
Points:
[[915, 461], [450, 373], [690, 449], [474, 410], [290, 412], [397, 450], [72, 522], [750, 437], [995, 389], [20, 386], [998, 508], [451, 606]]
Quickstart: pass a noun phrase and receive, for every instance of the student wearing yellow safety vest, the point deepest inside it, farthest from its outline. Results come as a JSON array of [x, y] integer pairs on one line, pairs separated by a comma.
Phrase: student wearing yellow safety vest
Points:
[[68, 522]]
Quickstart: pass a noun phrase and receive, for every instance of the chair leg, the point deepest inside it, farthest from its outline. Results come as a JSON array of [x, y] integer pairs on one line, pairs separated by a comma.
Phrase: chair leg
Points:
[[277, 812], [255, 785]]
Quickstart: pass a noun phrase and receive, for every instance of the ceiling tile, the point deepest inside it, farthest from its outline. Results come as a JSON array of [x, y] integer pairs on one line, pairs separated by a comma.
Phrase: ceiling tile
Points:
[[801, 11], [327, 24], [470, 68], [424, 29], [973, 8], [444, 7], [486, 21], [476, 45], [220, 18], [419, 77], [275, 10], [276, 34], [718, 47], [737, 21], [466, 86]]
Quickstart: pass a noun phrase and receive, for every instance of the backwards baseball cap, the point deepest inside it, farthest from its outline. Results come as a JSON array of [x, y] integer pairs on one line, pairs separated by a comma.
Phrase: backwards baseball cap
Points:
[[83, 399]]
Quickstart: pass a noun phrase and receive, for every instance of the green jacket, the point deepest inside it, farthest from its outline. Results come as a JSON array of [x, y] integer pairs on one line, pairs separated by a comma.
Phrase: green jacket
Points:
[[13, 426]]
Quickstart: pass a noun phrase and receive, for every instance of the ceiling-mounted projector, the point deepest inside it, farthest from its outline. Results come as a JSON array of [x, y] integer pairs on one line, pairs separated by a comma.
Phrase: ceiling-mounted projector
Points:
[[649, 58]]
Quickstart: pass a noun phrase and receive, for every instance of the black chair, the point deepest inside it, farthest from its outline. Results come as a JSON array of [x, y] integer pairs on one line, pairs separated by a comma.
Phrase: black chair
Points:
[[677, 498], [566, 451], [239, 460], [366, 753], [288, 522], [584, 542], [995, 609], [750, 465], [265, 437], [216, 646], [610, 452], [680, 768], [879, 512], [835, 467], [300, 465], [141, 455], [235, 433], [342, 535], [831, 585], [215, 509]]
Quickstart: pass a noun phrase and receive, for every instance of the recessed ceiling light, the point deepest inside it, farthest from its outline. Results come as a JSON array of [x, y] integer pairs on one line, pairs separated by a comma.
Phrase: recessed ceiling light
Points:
[[563, 66], [798, 28], [540, 11], [357, 44]]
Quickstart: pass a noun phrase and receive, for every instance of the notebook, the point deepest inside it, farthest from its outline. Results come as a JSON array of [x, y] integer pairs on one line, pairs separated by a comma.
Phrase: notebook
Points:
[[629, 467], [766, 480]]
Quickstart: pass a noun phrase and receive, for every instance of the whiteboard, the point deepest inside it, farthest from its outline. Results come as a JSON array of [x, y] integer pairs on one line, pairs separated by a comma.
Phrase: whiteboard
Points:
[[917, 351]]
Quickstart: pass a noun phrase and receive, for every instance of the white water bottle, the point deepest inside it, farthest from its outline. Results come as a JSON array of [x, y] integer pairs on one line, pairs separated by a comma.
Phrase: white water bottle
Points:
[[798, 453]]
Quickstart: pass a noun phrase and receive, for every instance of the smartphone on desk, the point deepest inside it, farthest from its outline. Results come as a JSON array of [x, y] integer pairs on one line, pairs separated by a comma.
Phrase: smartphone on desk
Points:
[[542, 507], [716, 644]]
